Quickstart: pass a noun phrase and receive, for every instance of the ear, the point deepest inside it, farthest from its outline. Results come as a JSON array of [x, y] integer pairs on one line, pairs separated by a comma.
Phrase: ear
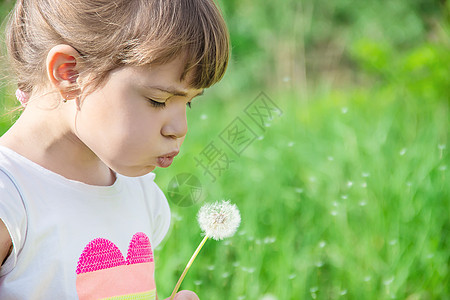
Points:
[[62, 70]]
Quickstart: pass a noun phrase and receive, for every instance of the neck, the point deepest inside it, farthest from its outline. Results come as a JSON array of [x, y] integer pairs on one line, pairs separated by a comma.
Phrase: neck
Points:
[[46, 137]]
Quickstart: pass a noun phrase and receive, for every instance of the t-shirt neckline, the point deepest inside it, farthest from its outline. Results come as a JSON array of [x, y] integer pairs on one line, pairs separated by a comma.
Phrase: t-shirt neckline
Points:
[[60, 179]]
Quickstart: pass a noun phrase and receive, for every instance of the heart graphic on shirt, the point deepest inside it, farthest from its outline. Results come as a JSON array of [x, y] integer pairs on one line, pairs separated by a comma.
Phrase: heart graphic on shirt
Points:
[[103, 273]]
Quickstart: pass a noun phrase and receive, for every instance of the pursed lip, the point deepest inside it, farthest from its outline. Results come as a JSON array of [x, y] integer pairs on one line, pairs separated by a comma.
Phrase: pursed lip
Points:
[[166, 160], [171, 154]]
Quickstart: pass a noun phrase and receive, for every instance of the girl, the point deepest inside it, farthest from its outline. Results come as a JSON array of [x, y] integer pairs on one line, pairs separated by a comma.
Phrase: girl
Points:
[[105, 85]]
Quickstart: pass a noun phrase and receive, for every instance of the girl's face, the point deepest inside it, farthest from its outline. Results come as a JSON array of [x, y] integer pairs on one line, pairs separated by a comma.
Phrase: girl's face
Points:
[[137, 120]]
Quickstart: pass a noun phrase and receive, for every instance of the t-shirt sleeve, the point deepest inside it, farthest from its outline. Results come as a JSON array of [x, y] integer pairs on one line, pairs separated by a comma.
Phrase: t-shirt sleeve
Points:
[[13, 215], [158, 209], [161, 218]]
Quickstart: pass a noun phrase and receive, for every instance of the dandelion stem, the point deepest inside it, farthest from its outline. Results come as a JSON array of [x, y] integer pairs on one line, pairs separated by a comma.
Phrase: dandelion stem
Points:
[[177, 286]]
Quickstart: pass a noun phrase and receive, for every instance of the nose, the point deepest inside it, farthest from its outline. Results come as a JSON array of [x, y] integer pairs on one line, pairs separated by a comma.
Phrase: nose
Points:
[[176, 124]]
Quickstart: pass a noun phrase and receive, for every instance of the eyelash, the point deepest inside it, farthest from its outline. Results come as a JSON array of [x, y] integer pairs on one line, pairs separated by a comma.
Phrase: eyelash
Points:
[[157, 104]]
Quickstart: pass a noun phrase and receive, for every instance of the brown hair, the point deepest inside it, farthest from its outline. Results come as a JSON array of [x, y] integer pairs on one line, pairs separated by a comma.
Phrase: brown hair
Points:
[[111, 34]]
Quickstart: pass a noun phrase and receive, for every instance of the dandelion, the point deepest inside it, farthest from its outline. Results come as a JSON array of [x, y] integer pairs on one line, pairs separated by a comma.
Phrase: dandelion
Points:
[[218, 221]]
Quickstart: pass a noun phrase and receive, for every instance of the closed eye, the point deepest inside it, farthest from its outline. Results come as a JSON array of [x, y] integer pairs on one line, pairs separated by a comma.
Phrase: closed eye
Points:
[[156, 103]]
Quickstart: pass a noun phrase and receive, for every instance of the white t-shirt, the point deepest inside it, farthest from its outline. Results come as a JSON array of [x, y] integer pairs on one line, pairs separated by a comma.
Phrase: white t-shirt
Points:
[[77, 241]]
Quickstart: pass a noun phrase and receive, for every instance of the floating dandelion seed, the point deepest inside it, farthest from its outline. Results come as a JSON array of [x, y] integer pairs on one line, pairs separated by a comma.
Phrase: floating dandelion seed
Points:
[[218, 220]]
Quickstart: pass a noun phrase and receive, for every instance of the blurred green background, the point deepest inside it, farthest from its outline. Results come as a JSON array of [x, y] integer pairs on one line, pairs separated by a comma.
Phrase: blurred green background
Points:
[[345, 195]]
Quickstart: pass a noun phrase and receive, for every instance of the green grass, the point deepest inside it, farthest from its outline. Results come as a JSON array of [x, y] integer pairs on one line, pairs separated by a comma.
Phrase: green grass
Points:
[[346, 196]]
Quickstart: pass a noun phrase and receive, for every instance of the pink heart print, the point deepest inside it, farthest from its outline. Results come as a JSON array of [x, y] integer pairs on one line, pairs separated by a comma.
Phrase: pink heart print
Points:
[[103, 273]]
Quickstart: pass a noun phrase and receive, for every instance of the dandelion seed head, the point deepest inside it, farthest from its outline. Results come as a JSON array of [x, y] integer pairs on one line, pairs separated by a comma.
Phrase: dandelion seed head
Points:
[[219, 220]]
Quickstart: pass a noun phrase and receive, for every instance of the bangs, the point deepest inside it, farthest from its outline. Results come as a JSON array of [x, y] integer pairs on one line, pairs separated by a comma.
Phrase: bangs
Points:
[[194, 29]]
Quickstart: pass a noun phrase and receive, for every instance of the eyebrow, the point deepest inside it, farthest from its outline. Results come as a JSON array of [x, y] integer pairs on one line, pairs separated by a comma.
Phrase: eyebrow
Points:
[[174, 91]]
